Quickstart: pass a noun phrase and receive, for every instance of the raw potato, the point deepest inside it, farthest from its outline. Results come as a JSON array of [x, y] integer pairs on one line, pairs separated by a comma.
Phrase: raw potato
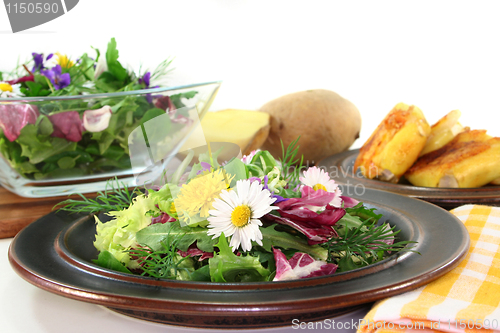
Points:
[[326, 123], [248, 129]]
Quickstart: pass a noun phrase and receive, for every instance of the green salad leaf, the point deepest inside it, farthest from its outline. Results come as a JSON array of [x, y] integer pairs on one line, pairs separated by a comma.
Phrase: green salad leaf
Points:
[[119, 235], [285, 240], [114, 66], [156, 234], [107, 260], [225, 266]]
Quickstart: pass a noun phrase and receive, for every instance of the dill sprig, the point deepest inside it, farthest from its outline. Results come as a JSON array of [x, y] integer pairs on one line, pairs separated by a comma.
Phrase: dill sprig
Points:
[[117, 197], [364, 245], [290, 170], [162, 264], [162, 69]]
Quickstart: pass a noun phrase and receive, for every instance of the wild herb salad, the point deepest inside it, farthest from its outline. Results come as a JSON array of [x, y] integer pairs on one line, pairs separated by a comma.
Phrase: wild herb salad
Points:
[[44, 139], [250, 219]]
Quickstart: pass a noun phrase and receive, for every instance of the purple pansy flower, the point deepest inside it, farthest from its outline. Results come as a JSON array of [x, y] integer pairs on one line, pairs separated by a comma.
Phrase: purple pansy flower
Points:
[[38, 59], [59, 80]]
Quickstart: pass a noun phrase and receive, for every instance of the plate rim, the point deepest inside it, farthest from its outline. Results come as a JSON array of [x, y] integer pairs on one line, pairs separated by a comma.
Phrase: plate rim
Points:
[[328, 303]]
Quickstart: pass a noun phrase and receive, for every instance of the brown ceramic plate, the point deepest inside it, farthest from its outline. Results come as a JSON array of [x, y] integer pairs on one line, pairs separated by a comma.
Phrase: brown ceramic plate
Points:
[[55, 253], [341, 168]]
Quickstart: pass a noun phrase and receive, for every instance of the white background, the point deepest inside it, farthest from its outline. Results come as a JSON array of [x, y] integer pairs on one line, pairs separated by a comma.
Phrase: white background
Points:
[[438, 55]]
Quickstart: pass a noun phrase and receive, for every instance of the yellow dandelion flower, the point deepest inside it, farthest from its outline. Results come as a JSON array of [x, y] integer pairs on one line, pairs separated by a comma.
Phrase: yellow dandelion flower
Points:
[[196, 197], [64, 61]]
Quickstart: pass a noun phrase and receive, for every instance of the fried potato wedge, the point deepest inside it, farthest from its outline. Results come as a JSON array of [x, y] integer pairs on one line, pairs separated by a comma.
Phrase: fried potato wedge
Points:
[[495, 182], [471, 159], [443, 132], [395, 145]]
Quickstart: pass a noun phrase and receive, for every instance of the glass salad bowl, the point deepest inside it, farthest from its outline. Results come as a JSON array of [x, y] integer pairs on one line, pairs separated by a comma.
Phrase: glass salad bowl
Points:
[[54, 146]]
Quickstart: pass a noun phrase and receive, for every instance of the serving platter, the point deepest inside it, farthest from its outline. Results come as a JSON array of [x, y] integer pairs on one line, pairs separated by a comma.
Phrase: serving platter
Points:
[[55, 253], [341, 169]]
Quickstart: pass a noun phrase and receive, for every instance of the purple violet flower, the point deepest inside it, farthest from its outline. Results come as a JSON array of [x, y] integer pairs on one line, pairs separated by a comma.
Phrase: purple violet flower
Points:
[[205, 167], [278, 197], [257, 179], [38, 59], [146, 79], [59, 80]]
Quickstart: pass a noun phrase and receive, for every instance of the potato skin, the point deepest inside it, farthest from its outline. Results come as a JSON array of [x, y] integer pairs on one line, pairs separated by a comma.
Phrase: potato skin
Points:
[[326, 123]]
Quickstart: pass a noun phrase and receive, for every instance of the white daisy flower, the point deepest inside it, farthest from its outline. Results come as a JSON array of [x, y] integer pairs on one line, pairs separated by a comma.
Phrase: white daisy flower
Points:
[[237, 214], [7, 90], [320, 180]]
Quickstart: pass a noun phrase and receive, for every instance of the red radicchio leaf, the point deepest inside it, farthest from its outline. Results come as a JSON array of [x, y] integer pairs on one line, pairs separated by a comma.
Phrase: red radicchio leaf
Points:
[[67, 125], [328, 217], [22, 79], [309, 197], [387, 240], [193, 251], [300, 266], [283, 267], [163, 218], [295, 212], [138, 255], [13, 117], [316, 234], [349, 202], [165, 103]]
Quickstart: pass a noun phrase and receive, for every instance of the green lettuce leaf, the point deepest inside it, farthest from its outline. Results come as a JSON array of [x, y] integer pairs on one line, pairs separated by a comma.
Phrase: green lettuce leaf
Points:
[[225, 266], [106, 260], [119, 235], [37, 147], [156, 234], [273, 237]]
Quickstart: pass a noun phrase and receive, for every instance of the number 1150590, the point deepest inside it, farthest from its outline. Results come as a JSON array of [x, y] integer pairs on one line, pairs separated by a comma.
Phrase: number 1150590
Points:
[[31, 8]]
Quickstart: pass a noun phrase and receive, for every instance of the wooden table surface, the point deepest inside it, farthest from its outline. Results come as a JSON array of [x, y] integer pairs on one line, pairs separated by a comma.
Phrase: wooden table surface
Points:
[[16, 212]]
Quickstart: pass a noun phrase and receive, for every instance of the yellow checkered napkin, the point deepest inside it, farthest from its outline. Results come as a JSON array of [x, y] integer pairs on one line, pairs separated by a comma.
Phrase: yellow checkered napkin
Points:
[[467, 299]]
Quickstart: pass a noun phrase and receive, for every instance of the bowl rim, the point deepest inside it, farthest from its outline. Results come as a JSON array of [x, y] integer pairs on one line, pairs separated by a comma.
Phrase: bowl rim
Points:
[[106, 95]]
